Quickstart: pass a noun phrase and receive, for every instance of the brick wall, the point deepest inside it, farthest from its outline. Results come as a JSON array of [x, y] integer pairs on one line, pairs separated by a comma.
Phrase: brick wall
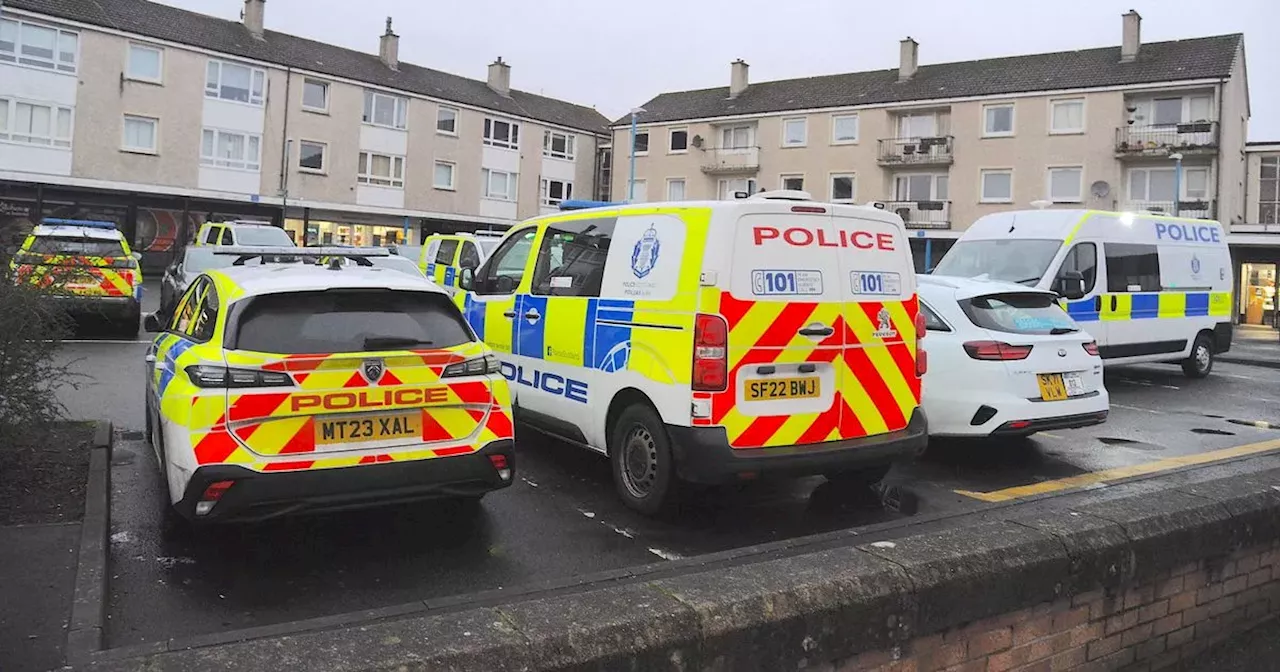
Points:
[[1149, 626]]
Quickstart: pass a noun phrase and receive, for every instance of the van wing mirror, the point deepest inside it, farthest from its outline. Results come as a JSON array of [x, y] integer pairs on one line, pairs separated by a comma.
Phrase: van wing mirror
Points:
[[1070, 285], [466, 277], [151, 323]]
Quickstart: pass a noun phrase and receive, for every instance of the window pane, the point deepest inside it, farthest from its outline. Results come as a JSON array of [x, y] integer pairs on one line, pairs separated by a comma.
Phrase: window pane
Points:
[[842, 187], [444, 175], [64, 124], [1160, 185], [402, 107], [4, 116], [235, 83], [144, 62], [941, 188], [231, 146], [559, 143], [1064, 184], [1132, 268], [1197, 183], [8, 37], [251, 150], [1168, 111], [675, 190], [447, 120], [795, 132], [642, 142], [1200, 108], [67, 49], [206, 144], [1068, 116], [997, 186], [259, 81], [211, 77], [381, 165], [368, 107], [384, 110], [397, 167], [1000, 119], [1137, 185], [41, 121], [38, 41], [315, 94], [919, 187], [311, 155], [139, 133], [845, 129]]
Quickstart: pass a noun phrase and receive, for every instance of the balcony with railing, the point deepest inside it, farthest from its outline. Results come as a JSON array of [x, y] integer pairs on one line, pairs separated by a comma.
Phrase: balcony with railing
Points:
[[1192, 138], [731, 160], [922, 214], [931, 151], [1194, 209]]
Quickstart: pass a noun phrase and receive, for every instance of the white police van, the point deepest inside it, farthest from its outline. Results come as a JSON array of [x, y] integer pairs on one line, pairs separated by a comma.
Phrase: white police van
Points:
[[1148, 287]]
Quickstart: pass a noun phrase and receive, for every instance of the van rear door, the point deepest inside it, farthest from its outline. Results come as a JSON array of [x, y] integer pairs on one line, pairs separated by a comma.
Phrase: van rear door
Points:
[[783, 308], [878, 292]]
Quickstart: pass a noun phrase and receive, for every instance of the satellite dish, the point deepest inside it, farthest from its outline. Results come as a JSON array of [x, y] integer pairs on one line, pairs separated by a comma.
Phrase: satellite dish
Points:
[[696, 141], [1100, 189]]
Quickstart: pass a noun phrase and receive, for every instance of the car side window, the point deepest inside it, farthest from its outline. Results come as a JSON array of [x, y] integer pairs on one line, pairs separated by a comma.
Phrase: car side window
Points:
[[211, 238], [206, 316], [1083, 258], [572, 256], [185, 313], [470, 257], [1132, 267], [501, 274], [931, 320], [444, 255]]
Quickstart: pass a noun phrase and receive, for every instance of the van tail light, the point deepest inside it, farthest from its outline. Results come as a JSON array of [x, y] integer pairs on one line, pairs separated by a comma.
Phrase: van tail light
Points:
[[922, 357], [710, 353], [220, 376], [1092, 348], [996, 350]]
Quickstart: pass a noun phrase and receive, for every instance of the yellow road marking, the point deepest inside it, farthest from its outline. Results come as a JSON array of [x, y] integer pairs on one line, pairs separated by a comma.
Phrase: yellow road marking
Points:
[[1096, 477]]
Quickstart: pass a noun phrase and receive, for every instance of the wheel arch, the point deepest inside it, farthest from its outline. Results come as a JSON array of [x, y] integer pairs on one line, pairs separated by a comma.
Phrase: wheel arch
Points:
[[624, 398]]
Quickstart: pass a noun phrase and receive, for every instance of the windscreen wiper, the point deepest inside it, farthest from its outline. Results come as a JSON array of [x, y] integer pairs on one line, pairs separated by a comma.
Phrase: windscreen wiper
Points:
[[1058, 331], [385, 342]]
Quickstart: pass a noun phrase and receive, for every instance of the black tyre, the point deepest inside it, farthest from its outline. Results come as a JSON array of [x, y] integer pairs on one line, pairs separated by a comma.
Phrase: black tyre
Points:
[[864, 477], [643, 465], [1200, 363]]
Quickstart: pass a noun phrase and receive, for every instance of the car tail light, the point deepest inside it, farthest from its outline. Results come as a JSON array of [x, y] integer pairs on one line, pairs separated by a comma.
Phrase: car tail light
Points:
[[476, 366], [202, 375], [501, 465], [710, 353], [996, 350], [1092, 348], [212, 495], [922, 357]]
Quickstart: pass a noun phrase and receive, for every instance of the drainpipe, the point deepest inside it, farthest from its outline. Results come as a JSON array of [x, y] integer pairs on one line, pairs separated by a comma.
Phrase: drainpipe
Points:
[[286, 146]]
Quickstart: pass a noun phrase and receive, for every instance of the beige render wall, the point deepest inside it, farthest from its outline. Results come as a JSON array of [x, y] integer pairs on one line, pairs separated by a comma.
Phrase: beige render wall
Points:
[[105, 97], [426, 145], [339, 128], [1233, 130]]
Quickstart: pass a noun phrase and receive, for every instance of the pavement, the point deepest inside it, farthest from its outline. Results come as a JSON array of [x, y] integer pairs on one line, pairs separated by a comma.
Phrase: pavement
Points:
[[1255, 345], [38, 572]]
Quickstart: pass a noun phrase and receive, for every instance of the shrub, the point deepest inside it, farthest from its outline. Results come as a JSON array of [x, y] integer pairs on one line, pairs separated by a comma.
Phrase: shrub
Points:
[[32, 327]]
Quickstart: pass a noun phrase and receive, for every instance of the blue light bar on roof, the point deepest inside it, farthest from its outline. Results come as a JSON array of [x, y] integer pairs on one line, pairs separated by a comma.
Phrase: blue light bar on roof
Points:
[[87, 223], [583, 205]]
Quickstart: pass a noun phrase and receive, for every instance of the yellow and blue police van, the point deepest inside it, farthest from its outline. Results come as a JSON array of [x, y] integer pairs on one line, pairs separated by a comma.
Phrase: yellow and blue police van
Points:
[[280, 388], [1148, 287], [444, 255], [713, 341], [87, 266]]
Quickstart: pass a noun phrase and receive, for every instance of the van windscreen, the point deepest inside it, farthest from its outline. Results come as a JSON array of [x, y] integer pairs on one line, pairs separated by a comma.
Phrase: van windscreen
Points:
[[1020, 260]]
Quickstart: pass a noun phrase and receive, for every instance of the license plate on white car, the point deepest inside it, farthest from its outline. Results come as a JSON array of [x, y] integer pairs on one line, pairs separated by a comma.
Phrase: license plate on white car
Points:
[[1059, 386]]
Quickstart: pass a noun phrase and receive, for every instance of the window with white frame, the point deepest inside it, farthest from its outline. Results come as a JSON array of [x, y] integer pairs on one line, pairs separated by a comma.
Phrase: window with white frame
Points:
[[792, 182], [384, 109], [447, 120], [795, 132], [678, 140], [558, 145], [1195, 184], [915, 126], [35, 123], [1066, 184], [442, 175], [1158, 185], [311, 156], [921, 187], [641, 144], [844, 187], [997, 186], [844, 128], [38, 46], [997, 120], [230, 149], [731, 187], [145, 63], [675, 189], [1269, 190], [498, 185], [737, 137], [239, 83], [381, 170], [315, 95], [139, 134], [555, 191], [1066, 116], [499, 133], [1173, 110]]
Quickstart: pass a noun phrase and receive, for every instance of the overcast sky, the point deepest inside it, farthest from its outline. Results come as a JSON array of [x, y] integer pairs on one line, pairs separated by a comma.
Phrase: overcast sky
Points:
[[617, 56]]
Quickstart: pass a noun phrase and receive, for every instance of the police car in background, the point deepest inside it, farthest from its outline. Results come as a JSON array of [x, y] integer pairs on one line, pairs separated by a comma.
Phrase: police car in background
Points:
[[1149, 288], [711, 341]]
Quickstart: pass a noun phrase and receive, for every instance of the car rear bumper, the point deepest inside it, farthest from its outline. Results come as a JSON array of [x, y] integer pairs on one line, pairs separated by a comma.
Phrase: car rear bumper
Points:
[[262, 495], [106, 306], [1017, 428], [703, 454], [979, 415]]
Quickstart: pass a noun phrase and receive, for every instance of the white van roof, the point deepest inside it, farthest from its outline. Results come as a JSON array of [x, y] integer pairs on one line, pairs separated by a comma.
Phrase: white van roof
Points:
[[1048, 224], [967, 288]]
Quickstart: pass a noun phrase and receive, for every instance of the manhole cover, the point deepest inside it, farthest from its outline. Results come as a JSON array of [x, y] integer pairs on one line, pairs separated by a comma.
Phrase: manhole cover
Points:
[[1215, 432], [1113, 441], [1260, 424]]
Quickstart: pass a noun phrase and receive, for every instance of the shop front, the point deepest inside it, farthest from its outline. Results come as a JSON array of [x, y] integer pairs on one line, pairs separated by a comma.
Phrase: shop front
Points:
[[1258, 294], [308, 230]]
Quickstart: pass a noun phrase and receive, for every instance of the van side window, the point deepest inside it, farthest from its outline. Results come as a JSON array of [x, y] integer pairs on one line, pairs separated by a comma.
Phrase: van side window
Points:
[[571, 259], [502, 272], [226, 236], [469, 258], [444, 255], [211, 238], [1083, 258], [1132, 267]]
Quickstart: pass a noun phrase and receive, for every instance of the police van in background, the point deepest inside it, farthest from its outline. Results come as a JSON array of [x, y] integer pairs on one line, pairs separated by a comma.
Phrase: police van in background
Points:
[[710, 341], [1148, 287]]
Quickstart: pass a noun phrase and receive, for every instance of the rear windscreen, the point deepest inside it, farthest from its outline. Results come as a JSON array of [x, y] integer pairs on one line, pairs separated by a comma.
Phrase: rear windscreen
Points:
[[88, 247], [1030, 313], [262, 236], [349, 321]]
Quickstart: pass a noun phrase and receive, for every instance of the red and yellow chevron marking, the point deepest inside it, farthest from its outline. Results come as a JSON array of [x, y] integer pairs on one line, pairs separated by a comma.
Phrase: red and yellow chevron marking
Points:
[[877, 389], [80, 275], [276, 430]]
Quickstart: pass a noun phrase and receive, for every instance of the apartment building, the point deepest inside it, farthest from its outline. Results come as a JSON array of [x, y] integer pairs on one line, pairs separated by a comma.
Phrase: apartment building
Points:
[[160, 119], [945, 144], [1255, 245]]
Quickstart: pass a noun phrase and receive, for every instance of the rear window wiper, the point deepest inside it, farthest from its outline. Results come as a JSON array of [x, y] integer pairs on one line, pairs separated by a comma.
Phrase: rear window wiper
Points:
[[384, 342], [1058, 331]]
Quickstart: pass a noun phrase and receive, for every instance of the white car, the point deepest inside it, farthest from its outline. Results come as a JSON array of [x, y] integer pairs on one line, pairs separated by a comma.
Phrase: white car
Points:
[[1005, 360]]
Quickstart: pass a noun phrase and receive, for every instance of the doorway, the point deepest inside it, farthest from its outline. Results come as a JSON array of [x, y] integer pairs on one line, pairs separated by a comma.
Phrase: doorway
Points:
[[1258, 294]]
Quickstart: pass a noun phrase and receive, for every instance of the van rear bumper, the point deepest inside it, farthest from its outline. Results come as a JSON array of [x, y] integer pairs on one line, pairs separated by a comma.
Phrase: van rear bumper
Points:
[[703, 454]]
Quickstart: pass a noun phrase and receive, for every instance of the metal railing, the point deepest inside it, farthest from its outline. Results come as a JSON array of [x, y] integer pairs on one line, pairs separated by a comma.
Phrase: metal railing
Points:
[[1192, 137], [916, 151], [1195, 209], [726, 160], [922, 214]]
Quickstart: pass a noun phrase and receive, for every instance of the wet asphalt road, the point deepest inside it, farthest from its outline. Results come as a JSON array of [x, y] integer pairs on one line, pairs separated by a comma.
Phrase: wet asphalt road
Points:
[[561, 518]]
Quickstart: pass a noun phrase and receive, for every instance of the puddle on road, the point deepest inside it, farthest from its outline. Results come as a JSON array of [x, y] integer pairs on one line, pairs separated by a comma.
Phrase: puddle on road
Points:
[[1260, 424], [1214, 432], [1129, 443]]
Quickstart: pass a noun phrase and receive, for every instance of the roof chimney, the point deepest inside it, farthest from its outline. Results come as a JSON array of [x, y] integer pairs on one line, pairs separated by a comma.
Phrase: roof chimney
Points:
[[908, 59], [500, 77], [737, 78], [389, 48], [252, 16], [1132, 36]]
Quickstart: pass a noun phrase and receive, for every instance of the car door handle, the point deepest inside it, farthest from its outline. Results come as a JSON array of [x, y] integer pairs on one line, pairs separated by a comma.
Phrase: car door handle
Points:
[[1113, 303], [532, 314], [1097, 304], [817, 330], [509, 313]]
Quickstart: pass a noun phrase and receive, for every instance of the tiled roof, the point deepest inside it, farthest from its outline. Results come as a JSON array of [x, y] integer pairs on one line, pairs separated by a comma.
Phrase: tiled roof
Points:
[[1200, 58], [230, 37]]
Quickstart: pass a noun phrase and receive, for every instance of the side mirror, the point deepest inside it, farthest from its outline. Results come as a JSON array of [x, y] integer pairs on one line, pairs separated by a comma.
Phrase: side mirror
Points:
[[151, 324], [466, 278], [1070, 285]]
